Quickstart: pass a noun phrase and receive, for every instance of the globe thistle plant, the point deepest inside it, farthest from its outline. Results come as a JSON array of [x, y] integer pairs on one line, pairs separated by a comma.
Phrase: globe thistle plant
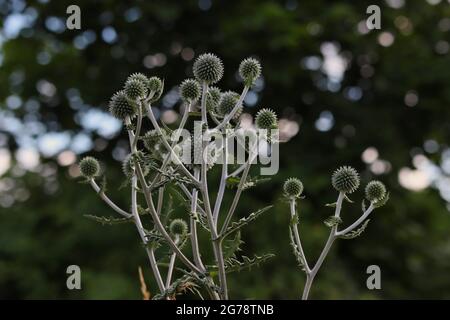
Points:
[[266, 119], [190, 90], [345, 180], [375, 191], [250, 70], [122, 107], [89, 167], [227, 104], [156, 172], [293, 187], [155, 168], [208, 68]]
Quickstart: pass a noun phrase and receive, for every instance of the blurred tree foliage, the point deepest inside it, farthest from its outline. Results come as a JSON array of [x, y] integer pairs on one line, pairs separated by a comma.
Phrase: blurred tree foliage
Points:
[[409, 238]]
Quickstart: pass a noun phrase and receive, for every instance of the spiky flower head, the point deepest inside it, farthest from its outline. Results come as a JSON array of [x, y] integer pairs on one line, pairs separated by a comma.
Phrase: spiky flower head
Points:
[[155, 84], [375, 191], [89, 167], [139, 77], [212, 98], [345, 179], [135, 89], [121, 107], [266, 119], [226, 104], [293, 187], [190, 90], [152, 138], [208, 68], [249, 70], [178, 227]]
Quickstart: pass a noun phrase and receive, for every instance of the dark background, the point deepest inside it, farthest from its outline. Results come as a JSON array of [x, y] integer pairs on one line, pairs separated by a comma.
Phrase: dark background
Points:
[[346, 88]]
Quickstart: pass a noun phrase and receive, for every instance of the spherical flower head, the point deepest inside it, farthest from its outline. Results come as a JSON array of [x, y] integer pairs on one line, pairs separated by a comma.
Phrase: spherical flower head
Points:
[[375, 191], [249, 70], [178, 227], [212, 98], [152, 138], [345, 179], [155, 84], [266, 119], [226, 104], [89, 167], [139, 77], [135, 89], [293, 187], [208, 68], [121, 106], [190, 90]]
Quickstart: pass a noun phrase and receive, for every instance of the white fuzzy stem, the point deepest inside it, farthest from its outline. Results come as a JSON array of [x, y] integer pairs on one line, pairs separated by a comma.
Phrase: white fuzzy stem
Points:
[[357, 222], [108, 201], [310, 277]]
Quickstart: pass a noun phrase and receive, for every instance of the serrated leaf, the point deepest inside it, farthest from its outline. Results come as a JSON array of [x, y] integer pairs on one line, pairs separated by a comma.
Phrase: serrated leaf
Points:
[[332, 221], [253, 182], [244, 221], [299, 257], [355, 233], [233, 264], [232, 246], [181, 285], [108, 220]]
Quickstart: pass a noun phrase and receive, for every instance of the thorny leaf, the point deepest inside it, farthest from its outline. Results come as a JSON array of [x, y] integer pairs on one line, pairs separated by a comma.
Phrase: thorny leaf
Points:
[[233, 264], [355, 233], [244, 221], [332, 221], [232, 246], [106, 220], [299, 257]]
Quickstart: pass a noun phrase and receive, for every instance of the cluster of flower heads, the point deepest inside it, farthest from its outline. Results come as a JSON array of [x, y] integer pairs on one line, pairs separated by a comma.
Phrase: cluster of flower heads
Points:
[[208, 69], [346, 180]]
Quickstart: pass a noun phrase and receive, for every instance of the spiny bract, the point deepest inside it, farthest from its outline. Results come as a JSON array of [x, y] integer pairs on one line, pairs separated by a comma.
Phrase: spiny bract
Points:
[[345, 179], [227, 103], [266, 119], [178, 227], [121, 107], [190, 90], [293, 187], [375, 191], [250, 70], [89, 167], [208, 68]]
